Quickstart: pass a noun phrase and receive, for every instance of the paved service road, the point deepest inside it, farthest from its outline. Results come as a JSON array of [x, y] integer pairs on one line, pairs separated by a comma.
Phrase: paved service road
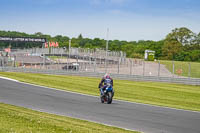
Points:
[[133, 116]]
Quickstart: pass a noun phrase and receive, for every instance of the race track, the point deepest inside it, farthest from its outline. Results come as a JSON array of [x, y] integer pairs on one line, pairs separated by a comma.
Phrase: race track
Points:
[[145, 118]]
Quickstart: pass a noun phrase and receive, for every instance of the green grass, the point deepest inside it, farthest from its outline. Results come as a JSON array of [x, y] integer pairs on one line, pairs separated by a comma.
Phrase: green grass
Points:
[[20, 120], [162, 94], [195, 68]]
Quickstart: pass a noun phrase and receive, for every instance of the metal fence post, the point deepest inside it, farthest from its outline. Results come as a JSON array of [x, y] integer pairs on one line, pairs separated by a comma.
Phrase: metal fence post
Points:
[[86, 66], [68, 63], [158, 68], [105, 65], [14, 60], [131, 64], [143, 68], [95, 65], [2, 64], [44, 58], [90, 60], [173, 68], [189, 71], [100, 61], [57, 62], [77, 66], [118, 65]]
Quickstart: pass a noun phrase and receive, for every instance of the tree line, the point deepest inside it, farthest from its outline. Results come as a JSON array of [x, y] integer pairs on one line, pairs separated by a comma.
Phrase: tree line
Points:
[[181, 44]]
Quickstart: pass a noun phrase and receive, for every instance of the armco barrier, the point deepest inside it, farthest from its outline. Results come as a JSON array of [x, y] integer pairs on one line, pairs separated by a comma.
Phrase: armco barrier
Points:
[[180, 80]]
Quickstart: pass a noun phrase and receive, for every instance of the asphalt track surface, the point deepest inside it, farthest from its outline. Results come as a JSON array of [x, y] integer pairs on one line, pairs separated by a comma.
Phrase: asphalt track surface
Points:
[[140, 117]]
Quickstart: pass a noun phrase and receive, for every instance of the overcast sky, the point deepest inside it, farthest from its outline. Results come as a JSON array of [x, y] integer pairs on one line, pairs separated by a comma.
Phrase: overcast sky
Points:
[[129, 20]]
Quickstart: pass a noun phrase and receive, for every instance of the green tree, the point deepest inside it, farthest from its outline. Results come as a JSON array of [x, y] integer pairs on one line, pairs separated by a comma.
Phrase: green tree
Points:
[[195, 55], [128, 48], [180, 39], [171, 48], [38, 34], [198, 38], [97, 43], [180, 44], [115, 45], [80, 37], [88, 45], [183, 35]]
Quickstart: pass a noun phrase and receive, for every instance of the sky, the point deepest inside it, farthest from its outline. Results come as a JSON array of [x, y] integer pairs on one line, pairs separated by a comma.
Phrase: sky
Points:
[[129, 20]]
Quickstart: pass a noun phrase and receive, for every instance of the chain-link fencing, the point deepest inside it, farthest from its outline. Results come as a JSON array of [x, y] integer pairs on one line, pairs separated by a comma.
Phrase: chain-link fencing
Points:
[[80, 60]]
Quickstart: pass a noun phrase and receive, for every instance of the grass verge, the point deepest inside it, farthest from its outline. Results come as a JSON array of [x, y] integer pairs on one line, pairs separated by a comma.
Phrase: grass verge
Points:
[[20, 120], [162, 94], [184, 66]]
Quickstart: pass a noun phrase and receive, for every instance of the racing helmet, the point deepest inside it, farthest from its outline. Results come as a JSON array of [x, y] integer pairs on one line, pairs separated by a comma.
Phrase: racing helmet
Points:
[[107, 76]]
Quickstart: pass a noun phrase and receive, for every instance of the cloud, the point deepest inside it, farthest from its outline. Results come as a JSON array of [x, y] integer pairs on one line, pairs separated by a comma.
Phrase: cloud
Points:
[[45, 2], [115, 11], [116, 2], [95, 2]]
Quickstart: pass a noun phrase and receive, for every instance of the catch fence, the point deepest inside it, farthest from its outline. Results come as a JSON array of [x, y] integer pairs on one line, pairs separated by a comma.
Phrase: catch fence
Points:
[[86, 62]]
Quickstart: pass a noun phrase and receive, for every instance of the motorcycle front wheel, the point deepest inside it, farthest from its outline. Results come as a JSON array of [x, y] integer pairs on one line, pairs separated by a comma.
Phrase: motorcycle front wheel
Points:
[[109, 100], [102, 99]]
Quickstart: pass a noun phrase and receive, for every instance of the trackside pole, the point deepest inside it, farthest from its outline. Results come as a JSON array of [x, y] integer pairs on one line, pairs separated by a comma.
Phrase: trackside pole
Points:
[[189, 71], [158, 68], [95, 65], [143, 67], [69, 47], [106, 59], [131, 65], [173, 67], [118, 65]]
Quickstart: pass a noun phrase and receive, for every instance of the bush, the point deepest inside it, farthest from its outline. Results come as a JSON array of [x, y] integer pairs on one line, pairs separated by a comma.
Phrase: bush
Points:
[[137, 55]]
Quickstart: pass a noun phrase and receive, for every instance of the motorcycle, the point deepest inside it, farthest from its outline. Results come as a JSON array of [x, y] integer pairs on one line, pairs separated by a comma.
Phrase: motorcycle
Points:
[[107, 95]]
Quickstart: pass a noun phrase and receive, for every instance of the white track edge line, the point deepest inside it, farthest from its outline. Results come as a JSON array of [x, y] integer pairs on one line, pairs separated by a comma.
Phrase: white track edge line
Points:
[[9, 79]]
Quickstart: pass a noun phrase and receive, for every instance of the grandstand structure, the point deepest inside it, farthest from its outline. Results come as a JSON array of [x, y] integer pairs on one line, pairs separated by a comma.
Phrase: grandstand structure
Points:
[[59, 57]]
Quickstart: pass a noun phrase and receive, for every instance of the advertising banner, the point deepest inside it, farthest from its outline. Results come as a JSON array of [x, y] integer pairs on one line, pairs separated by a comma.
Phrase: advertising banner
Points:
[[22, 39]]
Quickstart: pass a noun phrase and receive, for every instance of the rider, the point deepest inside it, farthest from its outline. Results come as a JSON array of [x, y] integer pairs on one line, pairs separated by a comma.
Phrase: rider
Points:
[[104, 81]]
